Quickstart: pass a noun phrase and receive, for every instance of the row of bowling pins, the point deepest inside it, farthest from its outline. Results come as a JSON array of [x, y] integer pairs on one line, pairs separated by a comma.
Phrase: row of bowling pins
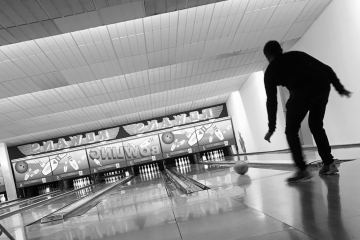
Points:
[[206, 166], [217, 155], [113, 179], [81, 182], [183, 161], [83, 192], [45, 189], [149, 168], [184, 168], [150, 175], [114, 173]]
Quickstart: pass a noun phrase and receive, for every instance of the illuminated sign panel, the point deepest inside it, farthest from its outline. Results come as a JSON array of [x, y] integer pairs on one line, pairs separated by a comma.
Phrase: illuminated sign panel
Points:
[[27, 170], [142, 149], [215, 134], [107, 156], [70, 162], [178, 142]]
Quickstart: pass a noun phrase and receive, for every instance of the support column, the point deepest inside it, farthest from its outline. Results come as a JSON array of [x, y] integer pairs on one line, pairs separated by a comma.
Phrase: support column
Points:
[[7, 173]]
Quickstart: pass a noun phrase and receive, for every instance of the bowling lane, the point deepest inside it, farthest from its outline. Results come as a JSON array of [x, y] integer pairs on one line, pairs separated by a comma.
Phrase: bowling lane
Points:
[[26, 202], [222, 212], [140, 209], [11, 208], [17, 221]]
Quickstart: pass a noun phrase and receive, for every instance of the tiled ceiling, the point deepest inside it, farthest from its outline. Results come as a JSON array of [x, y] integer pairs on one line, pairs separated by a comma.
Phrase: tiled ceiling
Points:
[[68, 66]]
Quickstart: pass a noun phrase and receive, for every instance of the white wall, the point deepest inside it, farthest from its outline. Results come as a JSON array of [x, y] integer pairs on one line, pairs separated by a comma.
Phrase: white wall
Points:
[[235, 108], [247, 107], [334, 38], [7, 172]]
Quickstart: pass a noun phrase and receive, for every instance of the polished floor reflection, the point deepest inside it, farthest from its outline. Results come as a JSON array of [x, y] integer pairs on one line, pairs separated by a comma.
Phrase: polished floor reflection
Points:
[[258, 205]]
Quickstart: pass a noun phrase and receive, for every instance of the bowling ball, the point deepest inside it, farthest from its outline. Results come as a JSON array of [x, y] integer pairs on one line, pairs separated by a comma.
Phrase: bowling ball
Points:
[[21, 167], [168, 137], [241, 168]]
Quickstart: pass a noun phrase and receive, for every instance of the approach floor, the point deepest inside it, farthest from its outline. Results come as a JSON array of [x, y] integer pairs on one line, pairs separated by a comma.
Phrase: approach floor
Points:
[[258, 205]]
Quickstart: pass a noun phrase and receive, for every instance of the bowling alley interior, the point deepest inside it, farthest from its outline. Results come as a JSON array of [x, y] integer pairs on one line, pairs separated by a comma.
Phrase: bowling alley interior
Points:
[[145, 119]]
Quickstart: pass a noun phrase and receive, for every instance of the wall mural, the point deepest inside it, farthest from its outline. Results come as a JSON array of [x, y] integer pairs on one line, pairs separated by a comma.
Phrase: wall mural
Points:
[[32, 169]]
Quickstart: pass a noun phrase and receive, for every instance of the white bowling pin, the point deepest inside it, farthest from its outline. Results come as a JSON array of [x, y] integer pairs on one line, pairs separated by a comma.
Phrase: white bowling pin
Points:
[[200, 132], [73, 163], [173, 146], [27, 174], [47, 169], [36, 171], [97, 162], [218, 133], [192, 139], [54, 163]]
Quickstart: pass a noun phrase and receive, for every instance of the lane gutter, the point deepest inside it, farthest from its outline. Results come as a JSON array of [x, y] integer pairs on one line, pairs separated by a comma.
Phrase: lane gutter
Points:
[[8, 214], [60, 214], [21, 201]]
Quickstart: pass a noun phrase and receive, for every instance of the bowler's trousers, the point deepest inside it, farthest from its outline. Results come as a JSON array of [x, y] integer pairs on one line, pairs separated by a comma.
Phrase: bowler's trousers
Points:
[[299, 104]]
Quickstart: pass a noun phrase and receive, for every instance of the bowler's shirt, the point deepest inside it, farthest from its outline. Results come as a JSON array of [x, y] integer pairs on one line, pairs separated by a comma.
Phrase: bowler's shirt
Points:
[[298, 72]]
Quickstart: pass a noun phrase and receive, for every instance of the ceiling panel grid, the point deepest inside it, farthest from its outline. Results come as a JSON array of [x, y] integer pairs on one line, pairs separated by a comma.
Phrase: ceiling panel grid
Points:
[[132, 70]]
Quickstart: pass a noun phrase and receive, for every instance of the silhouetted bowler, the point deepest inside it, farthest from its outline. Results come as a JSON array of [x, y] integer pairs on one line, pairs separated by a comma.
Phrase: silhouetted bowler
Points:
[[308, 81]]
